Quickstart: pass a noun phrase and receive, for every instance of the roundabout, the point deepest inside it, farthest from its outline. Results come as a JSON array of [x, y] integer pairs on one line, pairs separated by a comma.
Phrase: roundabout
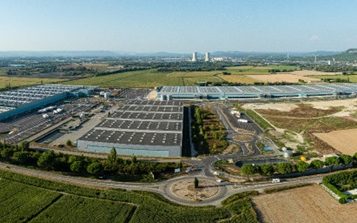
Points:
[[183, 191]]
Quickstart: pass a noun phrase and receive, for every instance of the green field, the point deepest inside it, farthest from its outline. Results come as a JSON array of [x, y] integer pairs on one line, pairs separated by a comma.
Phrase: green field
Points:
[[21, 203], [255, 70], [352, 78], [154, 78], [2, 71], [81, 209], [149, 79], [6, 81], [24, 199]]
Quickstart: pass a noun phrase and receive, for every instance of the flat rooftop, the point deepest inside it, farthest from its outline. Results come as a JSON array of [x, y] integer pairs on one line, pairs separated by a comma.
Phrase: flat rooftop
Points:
[[141, 123], [258, 90], [151, 109], [12, 99], [160, 103], [135, 138], [146, 116]]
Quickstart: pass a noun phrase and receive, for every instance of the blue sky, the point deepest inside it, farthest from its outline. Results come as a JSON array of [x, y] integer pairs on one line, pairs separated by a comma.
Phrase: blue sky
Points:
[[178, 25]]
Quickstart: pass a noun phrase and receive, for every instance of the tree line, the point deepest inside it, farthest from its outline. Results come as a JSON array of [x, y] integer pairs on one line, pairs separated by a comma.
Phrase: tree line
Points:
[[270, 169], [112, 167]]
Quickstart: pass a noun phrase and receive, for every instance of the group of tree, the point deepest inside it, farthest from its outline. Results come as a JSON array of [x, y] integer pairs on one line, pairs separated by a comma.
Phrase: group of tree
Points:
[[208, 134], [341, 182], [269, 169], [113, 166]]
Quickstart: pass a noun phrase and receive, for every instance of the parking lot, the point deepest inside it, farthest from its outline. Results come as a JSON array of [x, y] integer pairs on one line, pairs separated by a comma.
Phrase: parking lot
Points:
[[19, 129]]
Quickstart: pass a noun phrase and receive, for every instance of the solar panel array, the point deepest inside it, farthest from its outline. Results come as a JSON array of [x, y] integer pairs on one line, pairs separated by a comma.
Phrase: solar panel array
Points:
[[260, 90], [141, 123]]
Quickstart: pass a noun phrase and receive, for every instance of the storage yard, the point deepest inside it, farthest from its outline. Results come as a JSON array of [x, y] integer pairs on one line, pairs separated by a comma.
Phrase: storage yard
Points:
[[305, 204], [143, 128], [255, 92], [18, 129], [17, 102]]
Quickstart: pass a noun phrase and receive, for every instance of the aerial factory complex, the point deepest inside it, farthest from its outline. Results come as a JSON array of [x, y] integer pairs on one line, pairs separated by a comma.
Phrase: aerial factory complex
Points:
[[143, 128]]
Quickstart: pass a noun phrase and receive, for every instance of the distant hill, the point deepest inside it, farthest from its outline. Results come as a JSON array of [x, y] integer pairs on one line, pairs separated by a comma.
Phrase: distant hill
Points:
[[348, 55], [57, 54], [353, 51]]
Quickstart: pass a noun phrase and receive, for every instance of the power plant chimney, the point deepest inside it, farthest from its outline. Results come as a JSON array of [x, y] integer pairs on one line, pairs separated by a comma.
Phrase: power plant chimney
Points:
[[194, 57]]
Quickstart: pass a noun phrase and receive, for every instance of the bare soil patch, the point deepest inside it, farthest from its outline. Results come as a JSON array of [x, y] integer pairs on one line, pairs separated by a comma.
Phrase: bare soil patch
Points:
[[305, 205], [312, 73], [285, 107], [344, 141], [286, 77], [185, 189]]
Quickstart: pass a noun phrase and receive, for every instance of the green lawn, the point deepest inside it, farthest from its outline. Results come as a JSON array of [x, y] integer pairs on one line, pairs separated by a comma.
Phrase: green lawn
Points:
[[25, 198]]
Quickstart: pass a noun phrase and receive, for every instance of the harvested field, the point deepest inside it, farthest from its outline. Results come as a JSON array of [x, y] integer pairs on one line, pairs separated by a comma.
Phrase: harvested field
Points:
[[289, 78], [344, 141], [305, 205], [312, 73], [242, 79]]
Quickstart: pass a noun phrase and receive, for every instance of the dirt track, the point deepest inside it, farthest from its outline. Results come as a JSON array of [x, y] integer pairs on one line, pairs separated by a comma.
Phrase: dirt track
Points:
[[305, 205]]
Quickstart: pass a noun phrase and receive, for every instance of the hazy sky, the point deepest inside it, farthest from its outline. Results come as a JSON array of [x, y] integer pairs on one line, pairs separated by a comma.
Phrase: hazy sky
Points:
[[178, 25]]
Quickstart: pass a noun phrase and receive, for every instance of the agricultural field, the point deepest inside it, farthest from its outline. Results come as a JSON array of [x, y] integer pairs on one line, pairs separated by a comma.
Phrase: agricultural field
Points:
[[351, 78], [153, 78], [282, 77], [268, 74], [255, 70], [295, 124], [304, 204], [149, 79], [6, 81], [71, 207], [239, 79], [292, 76], [24, 199], [3, 71], [344, 141], [19, 202]]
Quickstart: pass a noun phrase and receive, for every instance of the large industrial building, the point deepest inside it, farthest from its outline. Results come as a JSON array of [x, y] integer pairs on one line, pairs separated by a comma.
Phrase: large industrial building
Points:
[[17, 102], [140, 128], [255, 92]]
